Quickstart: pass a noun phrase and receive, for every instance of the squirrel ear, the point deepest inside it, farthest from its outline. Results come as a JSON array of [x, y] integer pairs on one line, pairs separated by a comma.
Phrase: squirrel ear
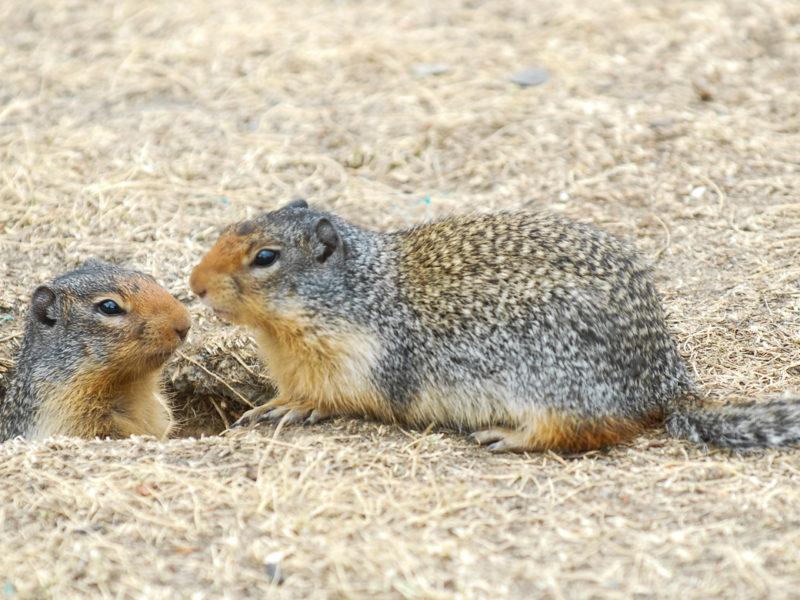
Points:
[[43, 306], [327, 239], [91, 262], [297, 203]]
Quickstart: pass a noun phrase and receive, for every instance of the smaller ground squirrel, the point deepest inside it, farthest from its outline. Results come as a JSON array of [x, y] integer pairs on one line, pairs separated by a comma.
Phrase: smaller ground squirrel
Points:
[[95, 341], [531, 331]]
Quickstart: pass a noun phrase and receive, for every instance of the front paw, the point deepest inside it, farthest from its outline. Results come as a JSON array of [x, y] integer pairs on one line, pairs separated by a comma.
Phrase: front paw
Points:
[[254, 416], [278, 412]]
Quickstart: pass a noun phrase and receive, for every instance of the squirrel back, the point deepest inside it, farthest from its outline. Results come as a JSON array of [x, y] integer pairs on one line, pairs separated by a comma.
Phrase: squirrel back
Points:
[[533, 331], [94, 344]]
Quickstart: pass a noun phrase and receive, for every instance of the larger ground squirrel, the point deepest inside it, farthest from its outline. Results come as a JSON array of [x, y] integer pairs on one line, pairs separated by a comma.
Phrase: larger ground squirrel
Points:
[[531, 331], [94, 345]]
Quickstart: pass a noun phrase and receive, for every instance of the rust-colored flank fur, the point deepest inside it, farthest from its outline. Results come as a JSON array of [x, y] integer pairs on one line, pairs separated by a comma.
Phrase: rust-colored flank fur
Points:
[[563, 433]]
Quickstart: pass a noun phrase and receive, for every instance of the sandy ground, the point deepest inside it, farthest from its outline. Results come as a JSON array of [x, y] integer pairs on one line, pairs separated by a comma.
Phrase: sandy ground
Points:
[[134, 131]]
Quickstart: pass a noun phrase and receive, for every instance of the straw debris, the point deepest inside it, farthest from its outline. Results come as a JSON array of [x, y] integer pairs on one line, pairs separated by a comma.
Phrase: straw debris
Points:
[[134, 131]]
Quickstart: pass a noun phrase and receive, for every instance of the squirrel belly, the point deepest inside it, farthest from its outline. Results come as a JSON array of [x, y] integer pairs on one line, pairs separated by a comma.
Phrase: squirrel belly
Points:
[[94, 344], [529, 330]]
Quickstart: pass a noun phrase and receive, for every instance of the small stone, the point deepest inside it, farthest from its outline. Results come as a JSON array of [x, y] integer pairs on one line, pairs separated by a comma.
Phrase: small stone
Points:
[[703, 90], [275, 573], [698, 192], [530, 77], [430, 70]]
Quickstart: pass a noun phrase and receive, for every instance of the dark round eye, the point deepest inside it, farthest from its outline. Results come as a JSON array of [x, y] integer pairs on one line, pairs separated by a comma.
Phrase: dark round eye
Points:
[[265, 258], [109, 307]]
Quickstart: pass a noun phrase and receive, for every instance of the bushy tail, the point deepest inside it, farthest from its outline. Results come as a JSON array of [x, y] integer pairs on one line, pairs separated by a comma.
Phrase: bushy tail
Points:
[[773, 424]]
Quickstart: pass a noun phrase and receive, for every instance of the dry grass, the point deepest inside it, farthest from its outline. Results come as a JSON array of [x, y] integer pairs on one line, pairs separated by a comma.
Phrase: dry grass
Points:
[[133, 131]]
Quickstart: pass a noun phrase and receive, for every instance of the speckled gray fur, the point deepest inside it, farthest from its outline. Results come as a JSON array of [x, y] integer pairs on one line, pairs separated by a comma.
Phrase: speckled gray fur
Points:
[[549, 311]]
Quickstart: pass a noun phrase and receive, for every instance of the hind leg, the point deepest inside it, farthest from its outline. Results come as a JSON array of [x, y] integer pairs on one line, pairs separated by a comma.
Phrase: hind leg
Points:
[[559, 431], [501, 439]]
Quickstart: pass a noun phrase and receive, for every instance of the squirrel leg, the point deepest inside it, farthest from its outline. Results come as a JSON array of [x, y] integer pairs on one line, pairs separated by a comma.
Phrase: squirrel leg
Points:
[[503, 440], [561, 432], [281, 409]]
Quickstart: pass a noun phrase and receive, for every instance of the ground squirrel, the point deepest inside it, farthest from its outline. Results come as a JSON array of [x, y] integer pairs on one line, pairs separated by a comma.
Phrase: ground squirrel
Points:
[[94, 345], [531, 331]]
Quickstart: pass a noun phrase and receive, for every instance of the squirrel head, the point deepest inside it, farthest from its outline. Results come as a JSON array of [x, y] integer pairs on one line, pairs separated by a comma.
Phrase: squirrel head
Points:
[[274, 265], [104, 322]]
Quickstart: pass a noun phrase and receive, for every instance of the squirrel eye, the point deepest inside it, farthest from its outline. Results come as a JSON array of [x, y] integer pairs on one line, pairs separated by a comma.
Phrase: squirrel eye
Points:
[[109, 307], [265, 258]]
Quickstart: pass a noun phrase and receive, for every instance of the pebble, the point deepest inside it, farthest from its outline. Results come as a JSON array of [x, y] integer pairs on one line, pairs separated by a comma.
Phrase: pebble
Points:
[[530, 77]]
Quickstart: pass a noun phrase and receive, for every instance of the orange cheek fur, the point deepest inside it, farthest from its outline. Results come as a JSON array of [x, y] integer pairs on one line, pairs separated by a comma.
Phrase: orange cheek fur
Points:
[[158, 317], [218, 266], [213, 280]]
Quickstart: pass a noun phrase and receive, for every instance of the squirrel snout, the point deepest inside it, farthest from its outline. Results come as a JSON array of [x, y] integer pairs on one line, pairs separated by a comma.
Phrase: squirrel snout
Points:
[[182, 332], [197, 282], [182, 323]]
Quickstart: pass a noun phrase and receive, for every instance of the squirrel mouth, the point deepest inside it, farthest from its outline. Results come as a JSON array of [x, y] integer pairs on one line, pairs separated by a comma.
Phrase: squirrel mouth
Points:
[[223, 314], [156, 359]]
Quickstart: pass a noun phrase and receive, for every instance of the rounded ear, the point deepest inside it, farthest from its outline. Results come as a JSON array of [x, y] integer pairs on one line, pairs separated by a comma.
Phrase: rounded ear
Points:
[[91, 262], [327, 240], [297, 203], [43, 306]]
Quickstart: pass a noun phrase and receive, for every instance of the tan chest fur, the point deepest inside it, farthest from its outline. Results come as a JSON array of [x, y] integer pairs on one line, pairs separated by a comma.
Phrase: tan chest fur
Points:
[[329, 370], [138, 409]]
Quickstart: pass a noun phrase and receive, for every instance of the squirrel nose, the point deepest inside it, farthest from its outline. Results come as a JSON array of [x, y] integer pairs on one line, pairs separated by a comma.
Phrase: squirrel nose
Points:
[[182, 324], [197, 283], [182, 332]]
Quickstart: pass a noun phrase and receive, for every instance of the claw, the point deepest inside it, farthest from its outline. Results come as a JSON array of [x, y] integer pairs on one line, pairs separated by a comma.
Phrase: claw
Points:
[[486, 437], [294, 416], [256, 415], [283, 414], [315, 417], [243, 421], [267, 415], [502, 440], [498, 446]]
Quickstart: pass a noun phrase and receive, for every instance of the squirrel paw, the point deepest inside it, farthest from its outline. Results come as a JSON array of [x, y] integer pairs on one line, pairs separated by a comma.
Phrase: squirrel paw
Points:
[[276, 413], [292, 416], [502, 440]]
